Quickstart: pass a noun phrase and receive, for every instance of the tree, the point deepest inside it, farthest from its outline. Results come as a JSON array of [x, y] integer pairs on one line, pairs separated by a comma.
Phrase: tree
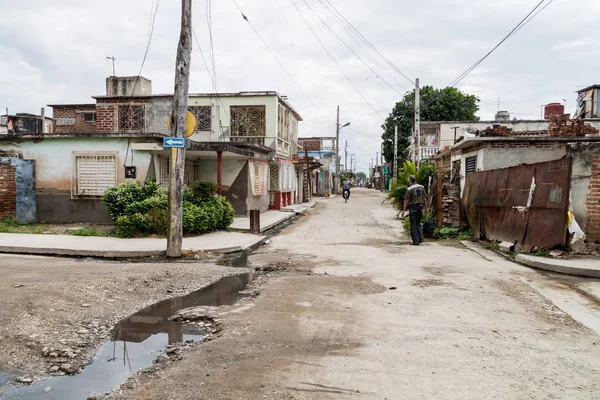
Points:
[[448, 104], [361, 176]]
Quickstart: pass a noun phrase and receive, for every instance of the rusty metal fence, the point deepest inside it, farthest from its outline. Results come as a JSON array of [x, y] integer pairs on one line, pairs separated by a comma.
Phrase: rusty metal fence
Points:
[[526, 204]]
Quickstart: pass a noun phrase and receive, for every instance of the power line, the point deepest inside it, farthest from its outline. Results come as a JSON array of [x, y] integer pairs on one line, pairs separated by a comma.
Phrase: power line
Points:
[[520, 25], [369, 44], [276, 58], [482, 59], [211, 43], [360, 43], [149, 40], [334, 60], [349, 48]]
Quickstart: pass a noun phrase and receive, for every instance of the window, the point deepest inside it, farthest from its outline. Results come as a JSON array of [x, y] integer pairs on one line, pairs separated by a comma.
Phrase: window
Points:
[[131, 118], [248, 121], [94, 173], [203, 116], [89, 117], [163, 172], [471, 164], [259, 171]]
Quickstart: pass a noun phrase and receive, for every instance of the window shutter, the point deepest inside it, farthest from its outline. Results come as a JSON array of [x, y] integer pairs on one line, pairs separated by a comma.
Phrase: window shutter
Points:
[[471, 164], [95, 174]]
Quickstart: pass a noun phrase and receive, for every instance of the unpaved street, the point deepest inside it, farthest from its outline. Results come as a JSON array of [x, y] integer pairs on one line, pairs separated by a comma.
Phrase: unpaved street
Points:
[[355, 313]]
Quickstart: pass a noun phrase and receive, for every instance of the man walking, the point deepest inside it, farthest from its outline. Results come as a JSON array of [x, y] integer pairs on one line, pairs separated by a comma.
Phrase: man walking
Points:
[[416, 200]]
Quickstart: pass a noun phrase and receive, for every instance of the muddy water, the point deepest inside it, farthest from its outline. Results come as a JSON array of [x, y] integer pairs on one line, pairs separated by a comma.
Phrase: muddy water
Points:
[[136, 342]]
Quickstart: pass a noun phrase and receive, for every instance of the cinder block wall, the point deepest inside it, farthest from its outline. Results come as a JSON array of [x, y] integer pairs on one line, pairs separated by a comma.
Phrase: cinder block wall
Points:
[[8, 191]]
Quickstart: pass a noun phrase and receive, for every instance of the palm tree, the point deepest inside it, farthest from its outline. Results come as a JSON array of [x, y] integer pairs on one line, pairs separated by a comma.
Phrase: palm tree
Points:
[[396, 195]]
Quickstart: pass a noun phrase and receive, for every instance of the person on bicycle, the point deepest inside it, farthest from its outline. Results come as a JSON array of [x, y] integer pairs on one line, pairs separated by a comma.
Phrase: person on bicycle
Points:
[[346, 187]]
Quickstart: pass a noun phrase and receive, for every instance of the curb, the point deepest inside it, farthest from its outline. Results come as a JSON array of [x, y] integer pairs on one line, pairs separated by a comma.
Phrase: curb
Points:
[[561, 269]]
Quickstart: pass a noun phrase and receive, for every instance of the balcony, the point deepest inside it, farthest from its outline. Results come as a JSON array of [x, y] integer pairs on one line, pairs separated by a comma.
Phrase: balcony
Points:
[[428, 152], [248, 139]]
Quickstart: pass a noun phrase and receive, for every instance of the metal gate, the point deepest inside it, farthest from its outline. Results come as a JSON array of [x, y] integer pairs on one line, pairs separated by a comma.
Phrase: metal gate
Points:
[[527, 204]]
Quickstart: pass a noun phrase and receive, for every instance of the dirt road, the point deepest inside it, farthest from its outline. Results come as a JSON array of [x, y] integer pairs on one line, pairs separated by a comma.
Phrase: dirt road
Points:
[[358, 314]]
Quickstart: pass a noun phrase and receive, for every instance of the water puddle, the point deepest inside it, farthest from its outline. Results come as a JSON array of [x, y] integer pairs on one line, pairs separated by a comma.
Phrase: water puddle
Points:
[[235, 260], [135, 343]]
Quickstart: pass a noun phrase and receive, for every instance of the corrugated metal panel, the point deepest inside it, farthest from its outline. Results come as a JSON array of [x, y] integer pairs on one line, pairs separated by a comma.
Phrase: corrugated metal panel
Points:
[[527, 204], [95, 174]]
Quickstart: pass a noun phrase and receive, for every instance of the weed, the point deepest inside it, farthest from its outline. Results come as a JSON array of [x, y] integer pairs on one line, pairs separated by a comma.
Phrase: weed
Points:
[[493, 245], [88, 232], [11, 225], [543, 252]]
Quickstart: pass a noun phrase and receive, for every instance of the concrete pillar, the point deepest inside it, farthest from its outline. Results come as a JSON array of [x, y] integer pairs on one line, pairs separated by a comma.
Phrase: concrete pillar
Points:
[[219, 173]]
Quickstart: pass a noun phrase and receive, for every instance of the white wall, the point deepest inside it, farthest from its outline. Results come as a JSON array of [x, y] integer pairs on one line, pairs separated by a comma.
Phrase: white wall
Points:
[[54, 159], [221, 111]]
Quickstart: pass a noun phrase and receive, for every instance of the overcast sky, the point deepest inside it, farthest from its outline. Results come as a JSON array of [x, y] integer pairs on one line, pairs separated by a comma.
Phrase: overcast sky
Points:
[[55, 52]]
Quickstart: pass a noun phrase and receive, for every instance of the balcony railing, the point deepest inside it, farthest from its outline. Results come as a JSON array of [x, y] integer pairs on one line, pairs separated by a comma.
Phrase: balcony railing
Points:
[[428, 152], [248, 139]]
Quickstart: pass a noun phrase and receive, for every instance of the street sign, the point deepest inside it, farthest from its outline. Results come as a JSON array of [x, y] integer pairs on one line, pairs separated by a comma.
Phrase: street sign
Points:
[[190, 124], [173, 142]]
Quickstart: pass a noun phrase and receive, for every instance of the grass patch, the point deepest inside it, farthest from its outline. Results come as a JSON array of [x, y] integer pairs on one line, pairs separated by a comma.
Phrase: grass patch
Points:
[[493, 245], [543, 252], [89, 232], [11, 225]]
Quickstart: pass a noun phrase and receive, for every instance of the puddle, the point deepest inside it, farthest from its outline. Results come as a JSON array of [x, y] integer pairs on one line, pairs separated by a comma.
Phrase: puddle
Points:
[[235, 260], [136, 342]]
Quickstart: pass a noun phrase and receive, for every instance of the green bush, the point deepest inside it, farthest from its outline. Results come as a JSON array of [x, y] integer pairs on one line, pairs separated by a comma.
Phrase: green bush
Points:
[[445, 233], [118, 198], [138, 210], [204, 189]]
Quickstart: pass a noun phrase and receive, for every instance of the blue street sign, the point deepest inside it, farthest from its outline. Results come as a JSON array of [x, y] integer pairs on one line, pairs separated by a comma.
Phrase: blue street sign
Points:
[[173, 142]]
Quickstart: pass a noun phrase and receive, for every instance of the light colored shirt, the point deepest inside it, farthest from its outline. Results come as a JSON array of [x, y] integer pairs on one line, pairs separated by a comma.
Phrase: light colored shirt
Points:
[[415, 194]]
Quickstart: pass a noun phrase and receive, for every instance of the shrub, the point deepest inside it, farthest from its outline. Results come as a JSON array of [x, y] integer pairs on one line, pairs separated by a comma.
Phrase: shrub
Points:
[[138, 209], [445, 233], [88, 232], [118, 198], [204, 189], [124, 227]]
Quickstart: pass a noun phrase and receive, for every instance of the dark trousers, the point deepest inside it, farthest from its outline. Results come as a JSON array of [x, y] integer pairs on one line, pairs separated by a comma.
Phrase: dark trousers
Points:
[[416, 229]]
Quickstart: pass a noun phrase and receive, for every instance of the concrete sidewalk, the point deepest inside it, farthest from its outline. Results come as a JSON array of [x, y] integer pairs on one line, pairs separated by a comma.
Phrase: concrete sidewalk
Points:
[[589, 267], [110, 247], [271, 219]]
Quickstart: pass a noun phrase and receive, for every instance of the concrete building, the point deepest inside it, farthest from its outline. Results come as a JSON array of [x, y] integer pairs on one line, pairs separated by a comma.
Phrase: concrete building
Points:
[[437, 135], [492, 151], [244, 142]]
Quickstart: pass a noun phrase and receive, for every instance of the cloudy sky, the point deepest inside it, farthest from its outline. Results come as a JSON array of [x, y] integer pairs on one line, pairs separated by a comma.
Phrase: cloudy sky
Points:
[[55, 52]]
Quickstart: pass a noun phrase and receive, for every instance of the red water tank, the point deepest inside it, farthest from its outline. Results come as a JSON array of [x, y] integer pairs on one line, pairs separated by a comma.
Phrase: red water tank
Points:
[[553, 109]]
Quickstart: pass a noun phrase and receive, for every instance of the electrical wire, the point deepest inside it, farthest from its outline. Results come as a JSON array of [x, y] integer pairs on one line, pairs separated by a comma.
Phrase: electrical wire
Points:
[[286, 27], [349, 48], [276, 58], [334, 60], [369, 44], [518, 27], [147, 48], [211, 43], [360, 43]]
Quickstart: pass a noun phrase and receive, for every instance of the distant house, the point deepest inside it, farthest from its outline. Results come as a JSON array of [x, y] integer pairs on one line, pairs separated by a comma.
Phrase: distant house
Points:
[[244, 142], [321, 149]]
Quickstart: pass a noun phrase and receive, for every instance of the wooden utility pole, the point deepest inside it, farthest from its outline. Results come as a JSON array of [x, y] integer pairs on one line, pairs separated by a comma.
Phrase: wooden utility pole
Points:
[[178, 130], [308, 177]]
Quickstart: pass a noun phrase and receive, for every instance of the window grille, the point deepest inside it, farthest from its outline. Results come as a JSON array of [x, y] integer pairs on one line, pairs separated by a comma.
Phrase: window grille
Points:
[[203, 116], [248, 121], [164, 172], [131, 118], [94, 174]]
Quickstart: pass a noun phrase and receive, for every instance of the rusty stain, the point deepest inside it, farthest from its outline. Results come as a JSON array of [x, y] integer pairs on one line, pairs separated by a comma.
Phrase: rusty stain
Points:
[[507, 205]]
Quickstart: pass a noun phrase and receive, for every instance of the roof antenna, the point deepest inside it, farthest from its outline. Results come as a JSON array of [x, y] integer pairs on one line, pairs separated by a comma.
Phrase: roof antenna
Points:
[[113, 64]]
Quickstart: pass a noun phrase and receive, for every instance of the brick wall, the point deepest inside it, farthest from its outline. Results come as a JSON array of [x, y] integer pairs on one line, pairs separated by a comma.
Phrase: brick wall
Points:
[[107, 111], [8, 191], [74, 112], [592, 228]]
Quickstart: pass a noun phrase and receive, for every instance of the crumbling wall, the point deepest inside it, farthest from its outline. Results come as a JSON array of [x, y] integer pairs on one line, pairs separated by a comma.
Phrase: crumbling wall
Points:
[[8, 190]]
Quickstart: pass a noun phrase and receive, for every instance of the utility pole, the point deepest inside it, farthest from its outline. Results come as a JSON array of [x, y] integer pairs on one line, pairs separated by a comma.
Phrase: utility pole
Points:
[[395, 164], [337, 150], [346, 157], [178, 129], [376, 159], [455, 128], [417, 123]]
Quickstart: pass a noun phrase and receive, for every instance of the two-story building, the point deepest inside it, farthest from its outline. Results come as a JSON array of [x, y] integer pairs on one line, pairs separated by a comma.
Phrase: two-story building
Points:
[[244, 142]]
